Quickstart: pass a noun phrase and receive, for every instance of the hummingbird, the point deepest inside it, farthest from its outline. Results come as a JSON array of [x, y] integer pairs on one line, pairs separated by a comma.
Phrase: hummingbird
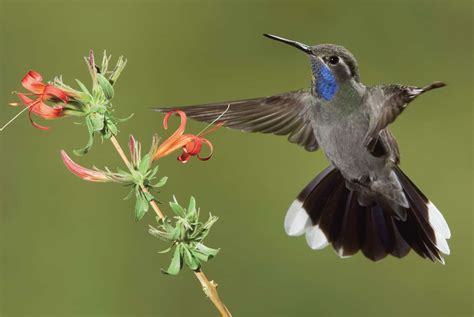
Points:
[[363, 201]]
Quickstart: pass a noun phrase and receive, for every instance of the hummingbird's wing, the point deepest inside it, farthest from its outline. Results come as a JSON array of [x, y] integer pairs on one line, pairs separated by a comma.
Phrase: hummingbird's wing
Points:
[[385, 103], [285, 114]]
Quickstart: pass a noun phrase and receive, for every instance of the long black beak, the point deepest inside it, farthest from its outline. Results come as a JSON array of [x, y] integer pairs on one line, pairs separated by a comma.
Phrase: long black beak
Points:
[[305, 48]]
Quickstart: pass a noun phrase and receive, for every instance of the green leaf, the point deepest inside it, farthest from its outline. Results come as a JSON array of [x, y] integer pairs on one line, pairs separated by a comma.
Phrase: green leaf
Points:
[[112, 128], [106, 86], [149, 197], [124, 119], [210, 252], [177, 209], [144, 164], [97, 121], [162, 233], [192, 207], [150, 174], [141, 206], [176, 262], [88, 146], [176, 233], [166, 250], [83, 87], [189, 260], [161, 182]]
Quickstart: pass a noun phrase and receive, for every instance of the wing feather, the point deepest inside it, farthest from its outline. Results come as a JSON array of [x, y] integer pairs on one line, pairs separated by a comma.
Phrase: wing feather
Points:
[[386, 103], [285, 114]]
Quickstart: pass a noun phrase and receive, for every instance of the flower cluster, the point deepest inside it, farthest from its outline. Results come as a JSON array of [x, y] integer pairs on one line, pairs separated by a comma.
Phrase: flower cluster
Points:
[[141, 173], [33, 82], [191, 144], [56, 99]]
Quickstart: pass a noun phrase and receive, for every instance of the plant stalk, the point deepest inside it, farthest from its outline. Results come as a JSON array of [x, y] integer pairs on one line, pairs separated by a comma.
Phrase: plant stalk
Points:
[[209, 287]]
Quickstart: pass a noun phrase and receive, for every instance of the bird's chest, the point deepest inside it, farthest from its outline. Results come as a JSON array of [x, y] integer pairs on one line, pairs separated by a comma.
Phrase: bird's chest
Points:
[[340, 134]]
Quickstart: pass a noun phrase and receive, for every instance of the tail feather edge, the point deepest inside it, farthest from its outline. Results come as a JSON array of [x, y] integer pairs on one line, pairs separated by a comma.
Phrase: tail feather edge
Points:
[[329, 213]]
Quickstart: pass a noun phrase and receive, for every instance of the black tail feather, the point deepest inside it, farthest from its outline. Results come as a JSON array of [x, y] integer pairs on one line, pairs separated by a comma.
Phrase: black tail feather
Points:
[[336, 217]]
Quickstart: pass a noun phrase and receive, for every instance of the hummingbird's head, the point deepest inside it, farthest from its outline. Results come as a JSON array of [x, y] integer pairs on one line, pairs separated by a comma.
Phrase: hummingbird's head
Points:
[[331, 65]]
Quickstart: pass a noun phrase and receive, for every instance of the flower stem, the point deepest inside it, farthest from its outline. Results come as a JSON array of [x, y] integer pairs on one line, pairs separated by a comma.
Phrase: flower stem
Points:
[[130, 167], [209, 287]]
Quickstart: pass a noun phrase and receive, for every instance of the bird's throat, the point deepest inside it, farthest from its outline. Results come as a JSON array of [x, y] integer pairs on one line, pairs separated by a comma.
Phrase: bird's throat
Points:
[[324, 82]]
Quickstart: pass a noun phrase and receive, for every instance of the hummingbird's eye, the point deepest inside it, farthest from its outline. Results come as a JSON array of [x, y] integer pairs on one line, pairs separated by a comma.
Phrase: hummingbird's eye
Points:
[[333, 60]]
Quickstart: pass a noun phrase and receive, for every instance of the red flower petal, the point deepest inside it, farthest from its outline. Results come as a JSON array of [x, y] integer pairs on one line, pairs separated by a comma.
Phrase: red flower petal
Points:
[[190, 144], [53, 91], [211, 150], [184, 157], [33, 82], [132, 146], [82, 172], [193, 147]]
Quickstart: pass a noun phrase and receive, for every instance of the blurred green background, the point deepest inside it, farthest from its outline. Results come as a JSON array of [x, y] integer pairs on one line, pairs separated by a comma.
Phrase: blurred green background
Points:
[[71, 248]]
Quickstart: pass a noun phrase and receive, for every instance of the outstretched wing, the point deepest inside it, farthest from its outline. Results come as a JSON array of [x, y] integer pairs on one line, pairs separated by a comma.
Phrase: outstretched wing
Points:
[[285, 114], [385, 103]]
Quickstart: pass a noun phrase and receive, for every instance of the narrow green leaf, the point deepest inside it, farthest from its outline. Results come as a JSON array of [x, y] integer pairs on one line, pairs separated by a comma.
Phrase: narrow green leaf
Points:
[[201, 256], [206, 250], [141, 206], [189, 260], [161, 182], [176, 262], [129, 195], [149, 197], [144, 164], [88, 146], [166, 250], [150, 174], [177, 209], [106, 86], [161, 234], [124, 119], [176, 233], [83, 87], [192, 208]]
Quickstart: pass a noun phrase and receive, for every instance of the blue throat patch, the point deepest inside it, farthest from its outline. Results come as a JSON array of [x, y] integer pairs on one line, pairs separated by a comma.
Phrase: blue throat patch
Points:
[[326, 85]]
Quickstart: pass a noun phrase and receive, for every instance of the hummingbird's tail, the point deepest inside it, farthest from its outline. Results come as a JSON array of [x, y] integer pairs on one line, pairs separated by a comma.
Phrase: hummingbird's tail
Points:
[[329, 213]]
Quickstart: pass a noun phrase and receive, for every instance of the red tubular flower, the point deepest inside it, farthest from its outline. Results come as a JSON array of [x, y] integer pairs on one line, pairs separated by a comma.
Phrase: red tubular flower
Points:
[[190, 144], [44, 92], [82, 172]]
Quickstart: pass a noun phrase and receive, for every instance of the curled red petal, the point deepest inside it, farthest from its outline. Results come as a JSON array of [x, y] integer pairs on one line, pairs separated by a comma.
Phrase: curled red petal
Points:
[[194, 146], [33, 82], [182, 125], [184, 157], [44, 111], [211, 150], [190, 144], [82, 172], [53, 91], [40, 108], [31, 104], [36, 125], [168, 144]]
